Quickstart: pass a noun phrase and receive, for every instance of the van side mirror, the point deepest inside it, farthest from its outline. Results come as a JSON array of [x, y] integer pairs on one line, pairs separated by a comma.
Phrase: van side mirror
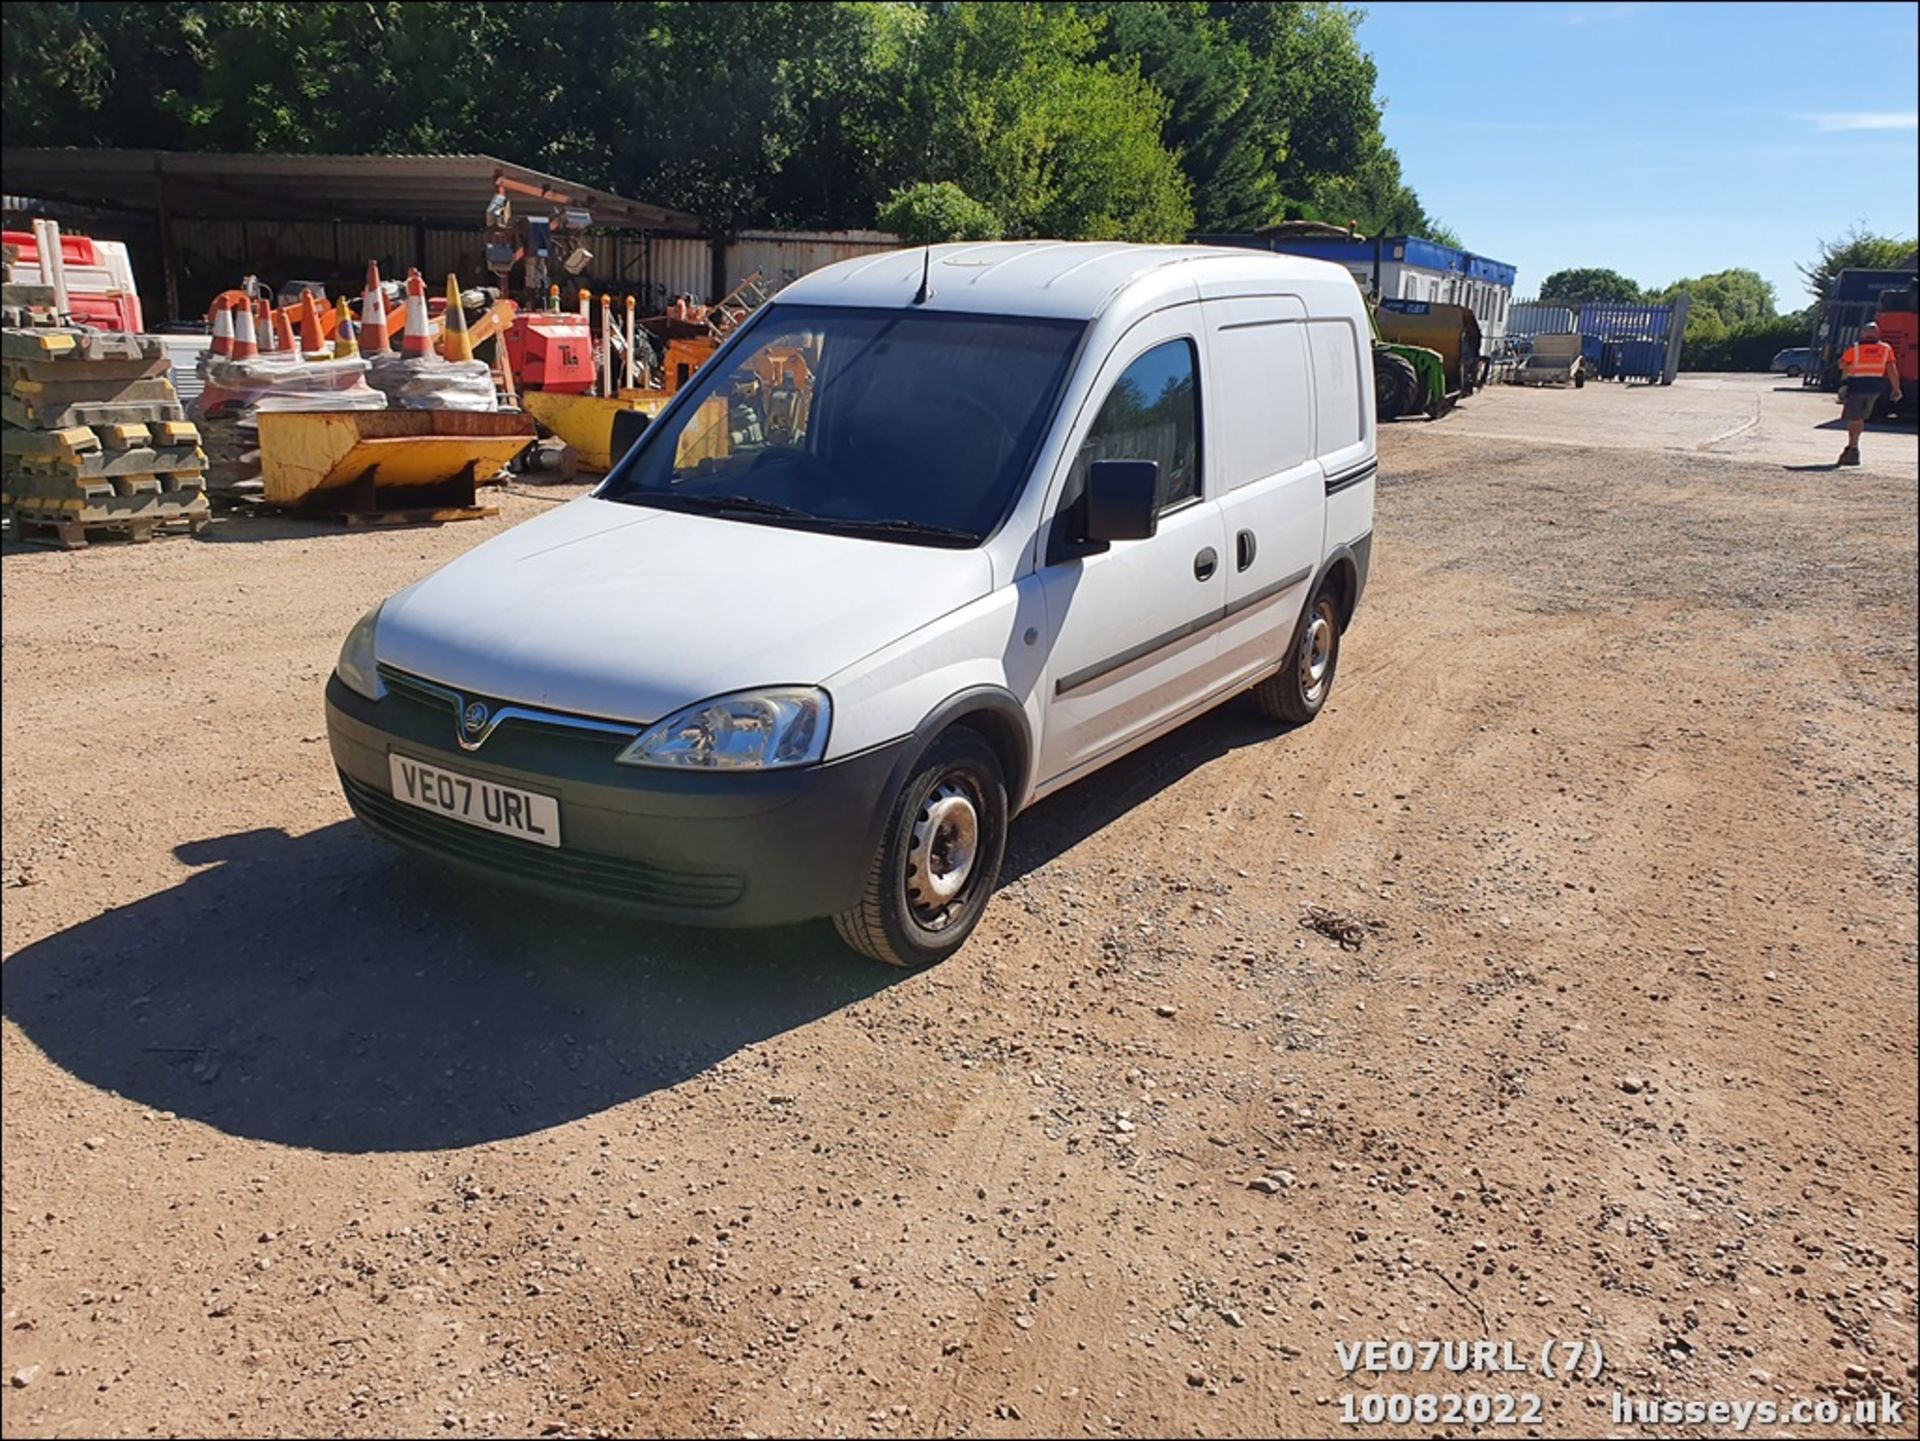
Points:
[[1122, 500]]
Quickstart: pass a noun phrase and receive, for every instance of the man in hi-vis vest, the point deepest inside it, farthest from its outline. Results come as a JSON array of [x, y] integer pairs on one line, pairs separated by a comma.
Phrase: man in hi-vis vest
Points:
[[1867, 372]]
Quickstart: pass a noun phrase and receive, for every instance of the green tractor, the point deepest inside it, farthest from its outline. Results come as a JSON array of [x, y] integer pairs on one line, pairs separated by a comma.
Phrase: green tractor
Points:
[[1408, 380]]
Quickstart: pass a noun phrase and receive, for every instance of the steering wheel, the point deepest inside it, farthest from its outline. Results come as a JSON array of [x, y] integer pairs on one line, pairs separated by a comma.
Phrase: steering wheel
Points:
[[793, 460]]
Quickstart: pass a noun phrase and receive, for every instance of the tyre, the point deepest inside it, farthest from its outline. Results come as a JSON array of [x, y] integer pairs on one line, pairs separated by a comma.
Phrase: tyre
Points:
[[939, 857], [1793, 372], [1396, 386], [1298, 690]]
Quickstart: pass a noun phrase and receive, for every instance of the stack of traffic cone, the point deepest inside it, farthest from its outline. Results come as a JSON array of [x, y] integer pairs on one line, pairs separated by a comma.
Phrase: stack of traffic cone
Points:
[[373, 317], [222, 328], [246, 345], [313, 333], [344, 347], [455, 344], [416, 341]]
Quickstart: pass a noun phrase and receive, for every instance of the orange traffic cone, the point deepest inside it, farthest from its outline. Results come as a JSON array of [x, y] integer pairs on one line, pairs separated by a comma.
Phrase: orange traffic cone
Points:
[[416, 341], [222, 328], [283, 332], [313, 334], [344, 347], [263, 326], [373, 316], [245, 345], [455, 343]]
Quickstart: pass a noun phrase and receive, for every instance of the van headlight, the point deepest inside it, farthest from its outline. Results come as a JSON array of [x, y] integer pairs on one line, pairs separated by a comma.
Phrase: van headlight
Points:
[[753, 730], [356, 667]]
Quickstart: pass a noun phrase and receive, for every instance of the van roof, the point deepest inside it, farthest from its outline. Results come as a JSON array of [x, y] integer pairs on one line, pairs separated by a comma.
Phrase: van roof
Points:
[[1072, 280]]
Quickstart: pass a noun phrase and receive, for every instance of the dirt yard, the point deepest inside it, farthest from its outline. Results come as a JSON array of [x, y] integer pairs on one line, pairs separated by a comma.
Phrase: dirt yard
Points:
[[1619, 779]]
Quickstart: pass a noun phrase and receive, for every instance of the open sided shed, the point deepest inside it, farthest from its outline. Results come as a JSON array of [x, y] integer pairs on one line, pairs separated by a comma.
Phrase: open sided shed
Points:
[[193, 220]]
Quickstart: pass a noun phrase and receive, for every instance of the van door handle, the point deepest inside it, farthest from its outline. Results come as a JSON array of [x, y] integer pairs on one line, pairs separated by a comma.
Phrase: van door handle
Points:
[[1205, 563], [1244, 547]]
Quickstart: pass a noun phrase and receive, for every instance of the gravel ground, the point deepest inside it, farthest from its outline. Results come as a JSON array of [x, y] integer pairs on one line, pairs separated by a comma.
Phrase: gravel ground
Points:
[[1618, 784]]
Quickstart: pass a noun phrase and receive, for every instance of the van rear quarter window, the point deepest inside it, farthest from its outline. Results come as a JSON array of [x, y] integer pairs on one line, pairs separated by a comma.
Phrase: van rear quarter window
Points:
[[1336, 382], [1261, 378]]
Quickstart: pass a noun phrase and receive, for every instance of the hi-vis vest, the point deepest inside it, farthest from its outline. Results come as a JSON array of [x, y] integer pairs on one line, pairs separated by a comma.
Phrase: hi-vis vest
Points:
[[1866, 361]]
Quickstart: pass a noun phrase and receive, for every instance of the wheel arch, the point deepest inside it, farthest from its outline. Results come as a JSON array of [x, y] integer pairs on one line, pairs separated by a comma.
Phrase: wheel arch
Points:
[[1344, 572], [1000, 719]]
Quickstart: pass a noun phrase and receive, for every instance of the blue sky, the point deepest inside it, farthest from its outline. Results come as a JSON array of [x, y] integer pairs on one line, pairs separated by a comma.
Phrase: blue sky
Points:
[[1663, 140]]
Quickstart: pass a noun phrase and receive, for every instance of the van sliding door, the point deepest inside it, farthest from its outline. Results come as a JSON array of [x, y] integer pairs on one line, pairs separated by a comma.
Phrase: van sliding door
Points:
[[1262, 465]]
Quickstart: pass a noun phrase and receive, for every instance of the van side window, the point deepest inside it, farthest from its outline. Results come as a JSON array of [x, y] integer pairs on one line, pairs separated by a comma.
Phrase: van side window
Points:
[[1336, 384], [1152, 413]]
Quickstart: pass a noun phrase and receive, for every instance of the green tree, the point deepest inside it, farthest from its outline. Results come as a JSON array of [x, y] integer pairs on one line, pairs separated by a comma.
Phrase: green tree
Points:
[[1375, 197], [1736, 296], [1574, 287], [1209, 79], [1856, 250], [1098, 119], [929, 213], [1010, 101]]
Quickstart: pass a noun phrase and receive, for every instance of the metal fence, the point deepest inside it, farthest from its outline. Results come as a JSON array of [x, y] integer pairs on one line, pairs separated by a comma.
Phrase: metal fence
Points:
[[1541, 317]]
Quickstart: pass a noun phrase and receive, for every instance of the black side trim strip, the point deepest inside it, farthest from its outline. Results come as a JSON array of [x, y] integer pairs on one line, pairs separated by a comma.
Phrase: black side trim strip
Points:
[[1266, 592], [1132, 653], [1338, 483], [1086, 674]]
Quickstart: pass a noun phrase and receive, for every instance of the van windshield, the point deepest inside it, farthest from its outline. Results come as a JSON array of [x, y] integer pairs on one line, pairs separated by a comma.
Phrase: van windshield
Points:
[[907, 425]]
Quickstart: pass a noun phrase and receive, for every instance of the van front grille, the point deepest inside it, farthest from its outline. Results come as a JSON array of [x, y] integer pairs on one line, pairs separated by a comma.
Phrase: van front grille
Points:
[[585, 873]]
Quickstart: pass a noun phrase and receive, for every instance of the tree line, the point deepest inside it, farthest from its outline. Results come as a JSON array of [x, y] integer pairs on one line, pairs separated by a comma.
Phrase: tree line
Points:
[[1132, 119], [1732, 318]]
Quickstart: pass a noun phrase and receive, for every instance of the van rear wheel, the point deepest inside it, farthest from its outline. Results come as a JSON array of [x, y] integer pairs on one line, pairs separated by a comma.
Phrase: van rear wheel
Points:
[[939, 857], [1297, 692]]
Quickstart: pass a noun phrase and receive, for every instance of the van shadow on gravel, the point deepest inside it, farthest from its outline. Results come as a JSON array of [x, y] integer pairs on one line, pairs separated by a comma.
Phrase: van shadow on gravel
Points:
[[325, 990], [329, 991]]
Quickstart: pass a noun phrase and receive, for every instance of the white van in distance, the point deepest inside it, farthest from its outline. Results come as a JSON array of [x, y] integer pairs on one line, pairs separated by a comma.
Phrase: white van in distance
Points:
[[933, 535]]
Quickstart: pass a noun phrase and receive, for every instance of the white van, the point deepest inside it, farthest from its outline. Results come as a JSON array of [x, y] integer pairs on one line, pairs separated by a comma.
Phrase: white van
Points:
[[934, 534]]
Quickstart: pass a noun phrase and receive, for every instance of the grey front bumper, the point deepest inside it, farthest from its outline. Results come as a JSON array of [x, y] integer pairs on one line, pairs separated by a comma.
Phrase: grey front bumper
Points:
[[741, 849]]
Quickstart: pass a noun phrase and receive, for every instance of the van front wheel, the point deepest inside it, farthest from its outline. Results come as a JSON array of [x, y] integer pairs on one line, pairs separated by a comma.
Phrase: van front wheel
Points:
[[1297, 691], [939, 857]]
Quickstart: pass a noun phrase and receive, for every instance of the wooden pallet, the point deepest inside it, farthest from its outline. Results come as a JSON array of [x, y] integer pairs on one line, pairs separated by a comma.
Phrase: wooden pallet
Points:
[[59, 529]]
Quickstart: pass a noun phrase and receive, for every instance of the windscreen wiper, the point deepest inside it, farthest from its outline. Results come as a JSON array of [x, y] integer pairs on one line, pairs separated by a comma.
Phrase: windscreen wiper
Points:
[[747, 504], [714, 504], [902, 527]]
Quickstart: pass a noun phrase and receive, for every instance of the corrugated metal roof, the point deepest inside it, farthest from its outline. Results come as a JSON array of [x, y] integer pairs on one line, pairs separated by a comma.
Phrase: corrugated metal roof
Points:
[[410, 189]]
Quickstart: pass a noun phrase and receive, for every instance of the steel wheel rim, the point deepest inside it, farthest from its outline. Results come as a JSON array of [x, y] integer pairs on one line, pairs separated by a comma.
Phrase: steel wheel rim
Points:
[[943, 850], [1316, 654]]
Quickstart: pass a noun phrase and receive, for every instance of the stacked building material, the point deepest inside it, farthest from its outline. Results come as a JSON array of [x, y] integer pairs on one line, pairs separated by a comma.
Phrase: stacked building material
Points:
[[94, 436]]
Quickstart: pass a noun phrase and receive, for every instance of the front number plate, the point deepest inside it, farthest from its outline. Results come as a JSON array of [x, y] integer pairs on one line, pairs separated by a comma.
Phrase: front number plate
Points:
[[506, 809]]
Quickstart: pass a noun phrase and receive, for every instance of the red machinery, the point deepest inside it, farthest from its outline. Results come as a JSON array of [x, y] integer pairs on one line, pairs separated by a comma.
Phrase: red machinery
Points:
[[1900, 327], [551, 350]]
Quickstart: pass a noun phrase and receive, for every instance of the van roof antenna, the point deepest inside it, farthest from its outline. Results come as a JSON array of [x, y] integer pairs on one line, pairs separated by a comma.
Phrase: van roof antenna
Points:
[[925, 293]]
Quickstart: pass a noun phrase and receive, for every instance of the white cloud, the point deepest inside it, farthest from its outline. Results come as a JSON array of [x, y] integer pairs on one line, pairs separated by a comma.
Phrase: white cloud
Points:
[[1837, 120]]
